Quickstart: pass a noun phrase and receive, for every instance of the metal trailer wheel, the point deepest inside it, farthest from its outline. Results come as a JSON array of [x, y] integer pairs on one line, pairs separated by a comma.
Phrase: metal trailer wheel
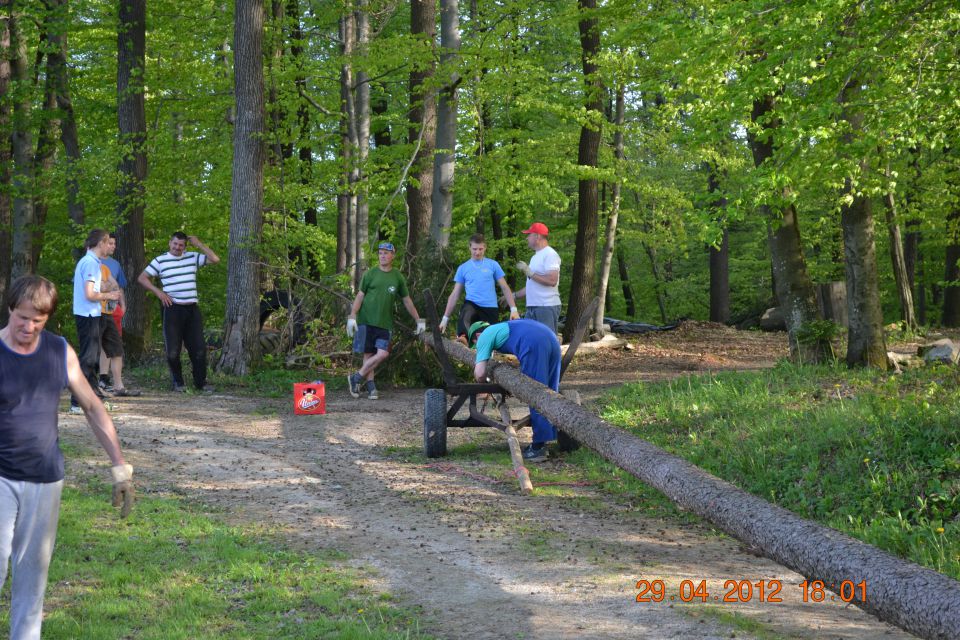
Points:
[[564, 441], [435, 423]]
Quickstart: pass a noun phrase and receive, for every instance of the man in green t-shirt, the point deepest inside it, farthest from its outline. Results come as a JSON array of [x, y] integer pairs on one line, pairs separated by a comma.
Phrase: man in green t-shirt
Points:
[[371, 318]]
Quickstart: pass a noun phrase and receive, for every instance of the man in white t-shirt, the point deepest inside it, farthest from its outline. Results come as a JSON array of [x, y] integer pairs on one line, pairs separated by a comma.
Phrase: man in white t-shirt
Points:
[[543, 278]]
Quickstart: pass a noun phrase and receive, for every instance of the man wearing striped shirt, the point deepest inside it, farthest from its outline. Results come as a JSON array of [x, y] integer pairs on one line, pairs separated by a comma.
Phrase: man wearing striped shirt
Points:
[[182, 322]]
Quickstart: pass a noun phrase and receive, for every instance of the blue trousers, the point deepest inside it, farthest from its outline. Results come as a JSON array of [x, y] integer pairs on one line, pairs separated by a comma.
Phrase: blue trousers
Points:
[[537, 348]]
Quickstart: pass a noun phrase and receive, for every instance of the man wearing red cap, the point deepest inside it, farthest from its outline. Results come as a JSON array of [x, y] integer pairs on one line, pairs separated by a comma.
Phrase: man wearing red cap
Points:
[[543, 278]]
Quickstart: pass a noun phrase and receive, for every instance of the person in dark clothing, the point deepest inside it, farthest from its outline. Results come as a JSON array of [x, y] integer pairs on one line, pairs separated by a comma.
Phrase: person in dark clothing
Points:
[[35, 367]]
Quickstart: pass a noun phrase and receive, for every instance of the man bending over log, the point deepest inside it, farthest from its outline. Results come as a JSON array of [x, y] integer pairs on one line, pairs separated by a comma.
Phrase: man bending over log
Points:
[[536, 347]]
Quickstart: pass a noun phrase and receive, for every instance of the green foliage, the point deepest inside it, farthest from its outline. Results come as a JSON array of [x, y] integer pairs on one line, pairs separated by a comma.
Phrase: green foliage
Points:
[[866, 453]]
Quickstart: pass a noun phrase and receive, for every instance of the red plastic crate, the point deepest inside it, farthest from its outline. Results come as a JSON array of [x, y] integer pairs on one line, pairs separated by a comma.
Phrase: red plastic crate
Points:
[[309, 399]]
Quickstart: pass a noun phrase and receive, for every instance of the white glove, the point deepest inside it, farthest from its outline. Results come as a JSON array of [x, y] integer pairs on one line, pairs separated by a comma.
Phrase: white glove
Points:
[[514, 314], [443, 324], [522, 266], [351, 327], [421, 327], [122, 488]]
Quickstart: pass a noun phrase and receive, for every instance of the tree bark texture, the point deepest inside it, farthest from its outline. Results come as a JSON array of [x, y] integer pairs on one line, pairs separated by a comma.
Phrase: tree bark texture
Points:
[[22, 176], [58, 71], [347, 199], [914, 598], [625, 285], [422, 129], [362, 102], [132, 125], [719, 257], [443, 159], [951, 273], [866, 345], [792, 283], [583, 282], [241, 344], [898, 260], [609, 243], [658, 280], [6, 214]]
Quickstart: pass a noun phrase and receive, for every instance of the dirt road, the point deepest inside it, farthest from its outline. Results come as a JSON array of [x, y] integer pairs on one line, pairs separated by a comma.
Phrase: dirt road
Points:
[[480, 560]]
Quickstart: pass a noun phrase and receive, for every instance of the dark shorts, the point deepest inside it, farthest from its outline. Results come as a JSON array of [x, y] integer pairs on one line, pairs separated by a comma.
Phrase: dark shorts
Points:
[[370, 339], [110, 340], [470, 313]]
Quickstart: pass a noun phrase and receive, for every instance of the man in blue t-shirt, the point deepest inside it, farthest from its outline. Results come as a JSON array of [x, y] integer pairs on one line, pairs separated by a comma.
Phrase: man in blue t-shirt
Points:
[[87, 299], [478, 276]]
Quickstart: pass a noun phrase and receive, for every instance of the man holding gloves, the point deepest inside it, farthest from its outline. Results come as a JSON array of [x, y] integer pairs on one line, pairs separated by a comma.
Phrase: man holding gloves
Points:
[[543, 278], [370, 322], [35, 367]]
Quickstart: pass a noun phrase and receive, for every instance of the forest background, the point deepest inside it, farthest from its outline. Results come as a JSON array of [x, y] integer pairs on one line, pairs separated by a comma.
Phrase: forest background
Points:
[[692, 159]]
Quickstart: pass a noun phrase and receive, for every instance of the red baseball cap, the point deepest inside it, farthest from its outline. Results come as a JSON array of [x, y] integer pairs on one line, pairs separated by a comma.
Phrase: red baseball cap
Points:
[[538, 227]]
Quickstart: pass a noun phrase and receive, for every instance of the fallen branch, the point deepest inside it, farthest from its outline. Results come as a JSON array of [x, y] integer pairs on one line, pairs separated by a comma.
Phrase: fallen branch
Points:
[[914, 598]]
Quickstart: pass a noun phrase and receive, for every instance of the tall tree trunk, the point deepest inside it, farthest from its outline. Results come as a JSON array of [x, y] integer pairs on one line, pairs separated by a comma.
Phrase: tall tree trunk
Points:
[[898, 259], [422, 129], [362, 114], [46, 146], [6, 156], [58, 71], [132, 124], [658, 280], [625, 285], [443, 159], [793, 286], [347, 200], [951, 275], [606, 258], [585, 257], [23, 213], [865, 340], [241, 344], [719, 256]]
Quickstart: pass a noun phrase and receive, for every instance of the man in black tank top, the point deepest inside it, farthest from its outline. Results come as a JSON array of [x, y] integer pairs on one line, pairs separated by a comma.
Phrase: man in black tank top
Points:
[[35, 367]]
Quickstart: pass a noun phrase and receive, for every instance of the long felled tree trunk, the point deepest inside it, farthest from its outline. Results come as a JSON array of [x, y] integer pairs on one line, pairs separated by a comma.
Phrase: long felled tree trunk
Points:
[[914, 598], [443, 160], [585, 257], [422, 129], [132, 124], [792, 283], [241, 345]]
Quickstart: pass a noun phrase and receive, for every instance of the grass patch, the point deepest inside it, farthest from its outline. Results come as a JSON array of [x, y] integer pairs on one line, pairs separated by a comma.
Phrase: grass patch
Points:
[[871, 454], [173, 572]]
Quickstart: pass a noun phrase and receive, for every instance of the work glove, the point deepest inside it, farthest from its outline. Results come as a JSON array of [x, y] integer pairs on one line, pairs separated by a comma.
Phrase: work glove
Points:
[[421, 327], [351, 327], [443, 324], [123, 488], [514, 314], [523, 267]]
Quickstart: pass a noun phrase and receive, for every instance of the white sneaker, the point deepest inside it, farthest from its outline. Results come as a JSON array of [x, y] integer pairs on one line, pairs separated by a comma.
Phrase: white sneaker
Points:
[[75, 409]]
